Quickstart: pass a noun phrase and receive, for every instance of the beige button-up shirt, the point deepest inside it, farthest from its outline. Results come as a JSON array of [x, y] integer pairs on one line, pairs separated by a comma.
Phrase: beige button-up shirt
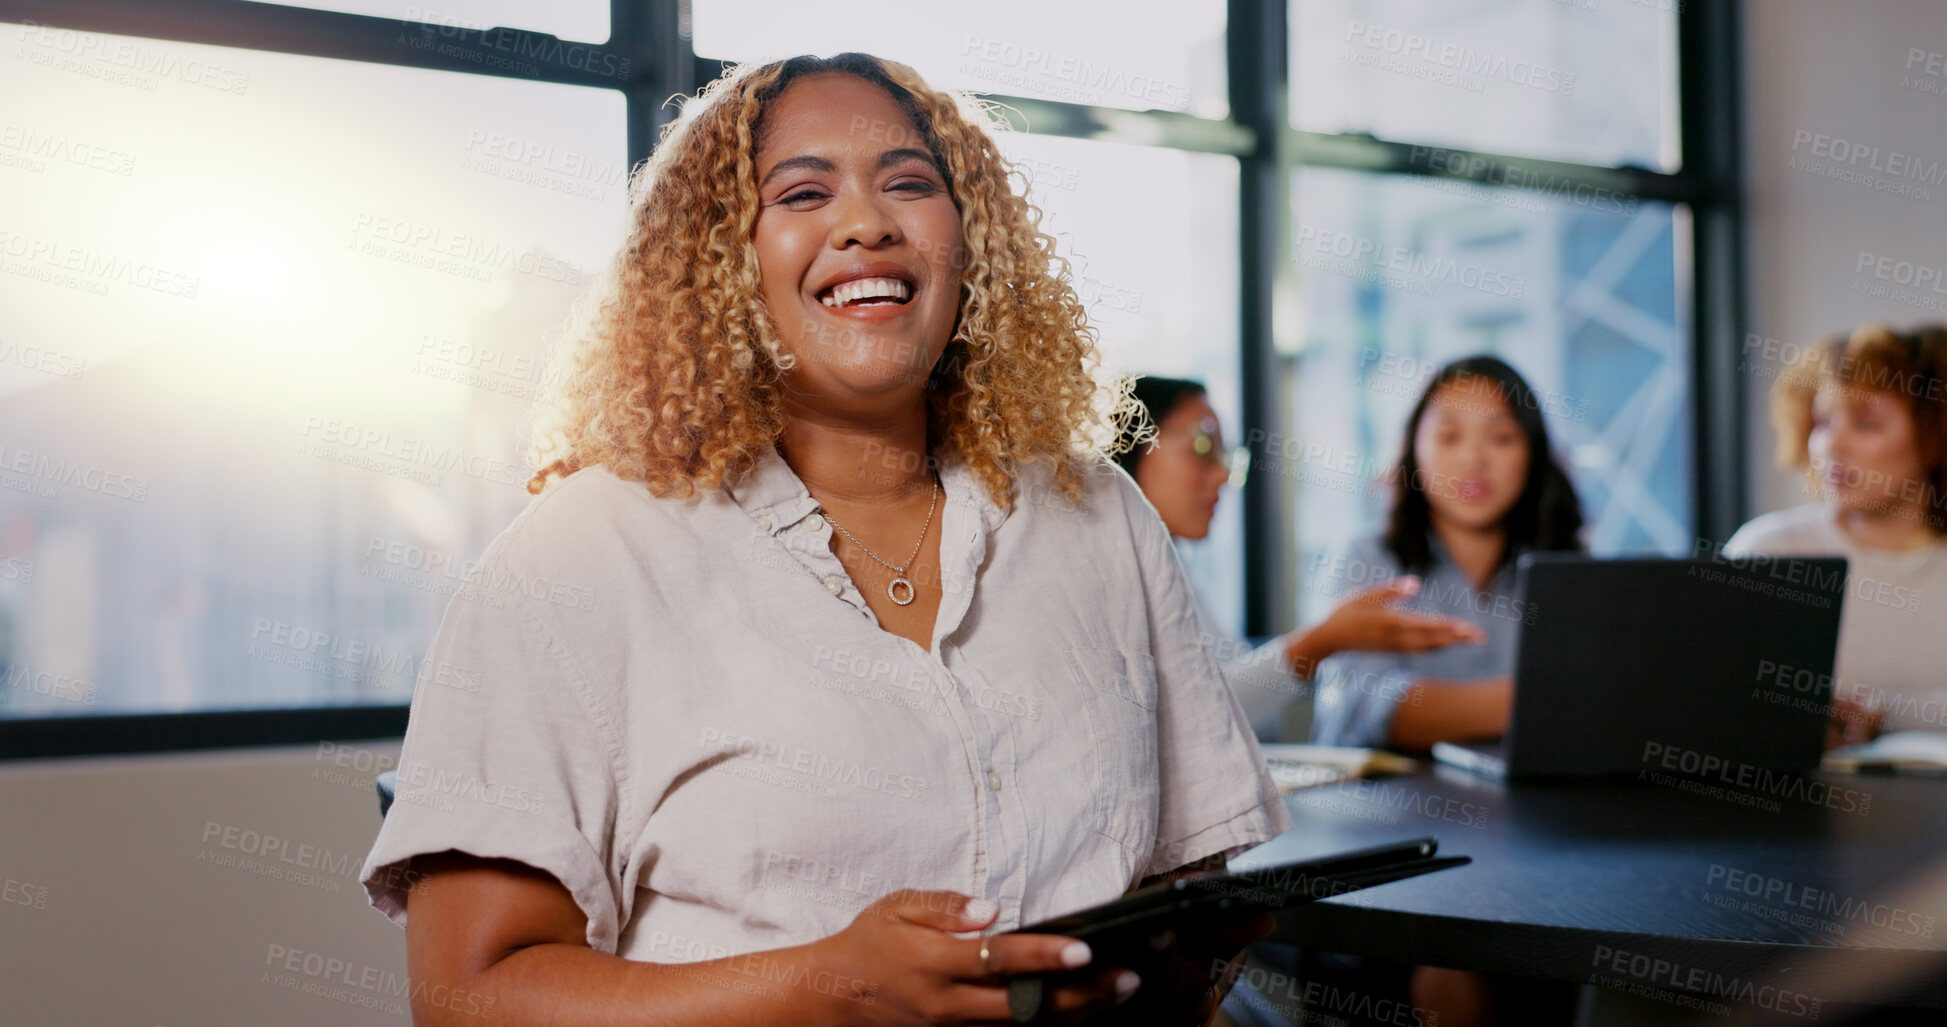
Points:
[[685, 712]]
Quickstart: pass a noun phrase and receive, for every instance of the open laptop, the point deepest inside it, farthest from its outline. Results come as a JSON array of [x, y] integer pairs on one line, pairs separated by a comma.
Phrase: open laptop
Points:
[[1660, 664]]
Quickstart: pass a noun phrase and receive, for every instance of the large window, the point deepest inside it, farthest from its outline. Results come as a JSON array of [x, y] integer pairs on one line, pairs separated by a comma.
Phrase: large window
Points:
[[1455, 191], [269, 331], [276, 281], [1573, 80], [1141, 55]]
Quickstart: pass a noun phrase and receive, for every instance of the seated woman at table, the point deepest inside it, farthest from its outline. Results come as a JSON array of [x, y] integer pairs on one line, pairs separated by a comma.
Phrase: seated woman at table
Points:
[[1182, 471], [1865, 416], [1476, 486], [798, 668]]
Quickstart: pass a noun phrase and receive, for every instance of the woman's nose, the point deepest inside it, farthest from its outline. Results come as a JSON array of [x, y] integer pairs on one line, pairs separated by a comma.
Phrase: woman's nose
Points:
[[860, 219]]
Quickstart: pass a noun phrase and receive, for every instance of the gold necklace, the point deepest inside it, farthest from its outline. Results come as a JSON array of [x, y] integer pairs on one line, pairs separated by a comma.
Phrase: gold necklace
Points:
[[892, 590]]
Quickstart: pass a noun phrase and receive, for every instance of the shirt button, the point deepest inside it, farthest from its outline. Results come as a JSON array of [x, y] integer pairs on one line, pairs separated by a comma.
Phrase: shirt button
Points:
[[764, 523], [993, 781], [815, 523], [834, 585]]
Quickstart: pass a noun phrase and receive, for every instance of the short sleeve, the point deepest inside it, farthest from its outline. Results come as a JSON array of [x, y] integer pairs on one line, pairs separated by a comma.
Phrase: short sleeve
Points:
[[503, 756], [1214, 793]]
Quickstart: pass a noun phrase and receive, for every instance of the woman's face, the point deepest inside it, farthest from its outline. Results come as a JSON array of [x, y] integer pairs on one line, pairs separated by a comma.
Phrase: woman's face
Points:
[[858, 245], [1181, 483], [1862, 447], [1472, 453]]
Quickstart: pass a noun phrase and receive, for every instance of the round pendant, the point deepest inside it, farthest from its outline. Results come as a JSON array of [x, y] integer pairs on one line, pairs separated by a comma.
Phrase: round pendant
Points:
[[892, 591]]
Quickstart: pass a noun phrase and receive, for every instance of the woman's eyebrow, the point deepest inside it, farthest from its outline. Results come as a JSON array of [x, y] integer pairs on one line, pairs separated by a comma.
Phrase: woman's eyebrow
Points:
[[808, 162], [891, 157], [805, 161]]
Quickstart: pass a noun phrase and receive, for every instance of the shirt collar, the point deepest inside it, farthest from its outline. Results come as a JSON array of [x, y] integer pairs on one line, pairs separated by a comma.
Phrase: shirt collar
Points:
[[774, 497]]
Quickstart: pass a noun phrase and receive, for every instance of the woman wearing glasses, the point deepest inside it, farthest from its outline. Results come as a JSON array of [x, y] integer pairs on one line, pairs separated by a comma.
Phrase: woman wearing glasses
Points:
[[1182, 472]]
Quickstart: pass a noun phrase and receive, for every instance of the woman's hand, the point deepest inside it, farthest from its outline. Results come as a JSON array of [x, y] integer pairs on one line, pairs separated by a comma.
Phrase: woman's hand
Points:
[[1854, 722], [904, 946], [1368, 621]]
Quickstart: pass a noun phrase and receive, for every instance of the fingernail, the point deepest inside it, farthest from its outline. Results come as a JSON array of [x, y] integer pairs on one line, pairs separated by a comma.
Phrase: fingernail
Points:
[[1126, 984], [1076, 953], [1409, 584], [980, 910]]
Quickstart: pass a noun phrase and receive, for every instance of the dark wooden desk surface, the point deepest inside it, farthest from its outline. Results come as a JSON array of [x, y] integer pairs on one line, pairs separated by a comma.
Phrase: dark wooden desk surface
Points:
[[1646, 884]]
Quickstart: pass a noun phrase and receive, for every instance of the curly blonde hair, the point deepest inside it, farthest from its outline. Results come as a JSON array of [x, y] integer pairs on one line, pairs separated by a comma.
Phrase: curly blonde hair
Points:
[[1911, 365], [671, 377]]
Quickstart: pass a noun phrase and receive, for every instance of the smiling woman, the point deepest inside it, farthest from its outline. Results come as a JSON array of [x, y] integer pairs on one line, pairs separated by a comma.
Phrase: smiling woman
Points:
[[882, 650]]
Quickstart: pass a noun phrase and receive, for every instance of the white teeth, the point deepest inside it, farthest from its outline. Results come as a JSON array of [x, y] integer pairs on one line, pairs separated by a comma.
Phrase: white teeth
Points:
[[867, 288]]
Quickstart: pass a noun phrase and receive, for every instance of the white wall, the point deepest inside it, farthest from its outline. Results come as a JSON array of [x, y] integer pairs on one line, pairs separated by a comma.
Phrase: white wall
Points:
[[116, 907], [1840, 70]]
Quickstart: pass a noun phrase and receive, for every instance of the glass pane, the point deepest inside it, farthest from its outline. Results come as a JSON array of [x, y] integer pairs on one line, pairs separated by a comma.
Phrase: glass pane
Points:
[[1139, 55], [1564, 79], [1151, 237], [265, 336], [1399, 275], [582, 20]]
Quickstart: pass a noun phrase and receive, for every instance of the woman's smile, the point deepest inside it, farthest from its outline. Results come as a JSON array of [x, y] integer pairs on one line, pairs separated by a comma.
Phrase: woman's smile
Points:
[[878, 291], [858, 242]]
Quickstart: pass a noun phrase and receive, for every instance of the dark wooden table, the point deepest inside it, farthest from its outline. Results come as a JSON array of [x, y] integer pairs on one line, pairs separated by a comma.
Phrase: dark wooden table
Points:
[[1828, 892]]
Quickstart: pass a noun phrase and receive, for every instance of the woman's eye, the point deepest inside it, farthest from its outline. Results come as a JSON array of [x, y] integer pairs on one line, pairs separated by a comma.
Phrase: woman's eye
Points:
[[803, 195], [916, 186]]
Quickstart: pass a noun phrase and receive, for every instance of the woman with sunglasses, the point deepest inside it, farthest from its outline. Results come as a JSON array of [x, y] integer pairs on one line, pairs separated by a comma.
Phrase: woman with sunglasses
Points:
[[1182, 471]]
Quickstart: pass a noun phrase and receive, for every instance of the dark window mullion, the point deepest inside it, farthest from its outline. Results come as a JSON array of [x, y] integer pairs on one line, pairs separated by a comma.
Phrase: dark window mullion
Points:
[[1161, 129], [1708, 42], [1368, 153], [1257, 60]]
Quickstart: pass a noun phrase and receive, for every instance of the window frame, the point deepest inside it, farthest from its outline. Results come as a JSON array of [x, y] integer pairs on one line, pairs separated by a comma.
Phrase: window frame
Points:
[[650, 36], [1708, 182]]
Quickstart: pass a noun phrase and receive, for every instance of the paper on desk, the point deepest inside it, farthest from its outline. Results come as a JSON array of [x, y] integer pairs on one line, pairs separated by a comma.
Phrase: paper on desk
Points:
[[1917, 751], [1307, 766]]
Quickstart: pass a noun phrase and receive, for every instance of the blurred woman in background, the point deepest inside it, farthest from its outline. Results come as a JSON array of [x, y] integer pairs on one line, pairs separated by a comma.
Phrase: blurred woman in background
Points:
[[1182, 472], [1865, 416], [1476, 485]]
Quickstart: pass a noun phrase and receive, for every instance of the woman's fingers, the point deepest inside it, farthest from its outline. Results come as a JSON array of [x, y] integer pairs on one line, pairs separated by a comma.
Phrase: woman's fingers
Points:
[[1013, 961], [1009, 955], [1413, 632], [940, 910], [1371, 621], [1393, 591]]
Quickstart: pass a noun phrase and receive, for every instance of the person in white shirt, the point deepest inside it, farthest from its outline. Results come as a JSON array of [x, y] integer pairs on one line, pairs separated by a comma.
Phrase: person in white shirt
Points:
[[825, 644], [1865, 416], [1182, 471]]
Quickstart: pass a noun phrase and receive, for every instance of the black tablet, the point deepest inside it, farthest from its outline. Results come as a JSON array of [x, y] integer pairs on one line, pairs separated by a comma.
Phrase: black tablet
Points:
[[1121, 932]]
